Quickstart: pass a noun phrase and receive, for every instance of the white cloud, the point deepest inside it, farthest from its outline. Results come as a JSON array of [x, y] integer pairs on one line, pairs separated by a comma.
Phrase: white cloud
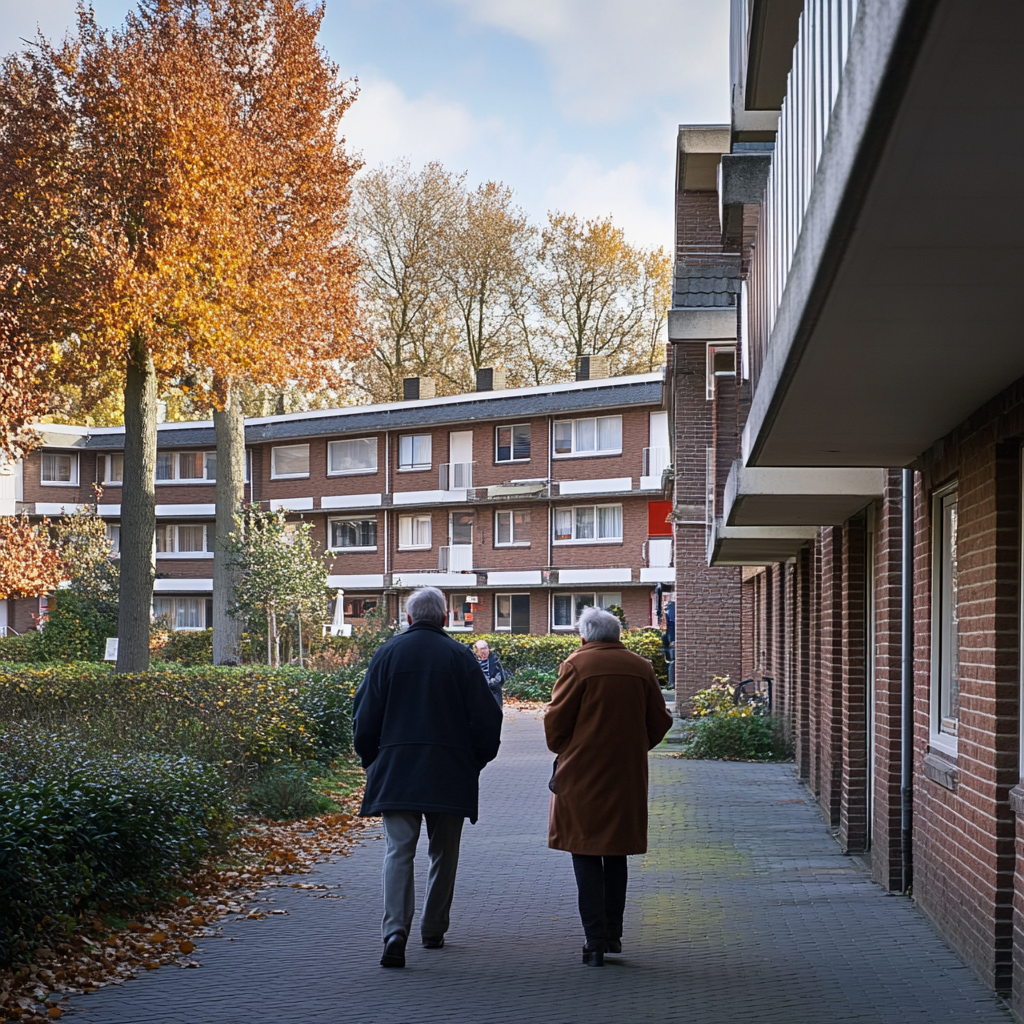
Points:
[[606, 57]]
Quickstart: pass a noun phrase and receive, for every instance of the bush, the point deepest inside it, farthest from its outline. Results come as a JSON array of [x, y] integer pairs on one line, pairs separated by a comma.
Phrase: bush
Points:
[[76, 628], [21, 649], [738, 737], [79, 824], [288, 792], [531, 684]]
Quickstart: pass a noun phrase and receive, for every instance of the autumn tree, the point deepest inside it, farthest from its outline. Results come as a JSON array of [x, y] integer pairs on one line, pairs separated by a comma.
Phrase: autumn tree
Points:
[[30, 566]]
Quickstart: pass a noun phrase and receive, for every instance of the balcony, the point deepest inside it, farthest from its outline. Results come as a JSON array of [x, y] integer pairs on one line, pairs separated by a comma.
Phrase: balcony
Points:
[[456, 476], [656, 461], [455, 558]]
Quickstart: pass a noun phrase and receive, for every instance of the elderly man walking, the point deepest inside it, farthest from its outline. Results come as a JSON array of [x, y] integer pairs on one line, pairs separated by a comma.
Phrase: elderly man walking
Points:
[[425, 725], [606, 713]]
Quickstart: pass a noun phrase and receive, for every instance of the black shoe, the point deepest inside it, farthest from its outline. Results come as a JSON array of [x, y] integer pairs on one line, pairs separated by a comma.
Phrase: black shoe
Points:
[[394, 951], [593, 953], [433, 942], [614, 946]]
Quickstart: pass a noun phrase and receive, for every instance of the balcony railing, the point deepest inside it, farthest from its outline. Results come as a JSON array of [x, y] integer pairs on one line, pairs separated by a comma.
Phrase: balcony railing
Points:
[[456, 476], [455, 558], [656, 460], [819, 59]]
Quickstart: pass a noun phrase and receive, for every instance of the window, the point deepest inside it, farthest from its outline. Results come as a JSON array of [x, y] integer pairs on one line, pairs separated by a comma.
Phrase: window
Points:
[[946, 627], [353, 534], [60, 468], [512, 613], [600, 435], [414, 451], [186, 540], [113, 468], [461, 526], [358, 607], [512, 529], [588, 524], [460, 611], [181, 467], [358, 455], [512, 444], [289, 461], [566, 609], [414, 531], [721, 363], [180, 612], [113, 532]]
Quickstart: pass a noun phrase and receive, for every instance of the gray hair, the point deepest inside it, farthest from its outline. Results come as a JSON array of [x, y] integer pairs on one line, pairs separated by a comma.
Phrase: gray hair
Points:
[[598, 625], [427, 603]]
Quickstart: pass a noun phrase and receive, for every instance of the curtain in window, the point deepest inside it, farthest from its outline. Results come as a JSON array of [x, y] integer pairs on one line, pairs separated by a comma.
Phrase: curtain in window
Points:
[[164, 466], [353, 456], [609, 522], [584, 523], [609, 434], [586, 435], [563, 524], [562, 611]]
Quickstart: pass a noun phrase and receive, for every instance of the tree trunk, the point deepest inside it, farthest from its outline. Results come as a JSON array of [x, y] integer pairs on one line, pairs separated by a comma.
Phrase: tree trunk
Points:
[[270, 638], [138, 511], [230, 428], [277, 639]]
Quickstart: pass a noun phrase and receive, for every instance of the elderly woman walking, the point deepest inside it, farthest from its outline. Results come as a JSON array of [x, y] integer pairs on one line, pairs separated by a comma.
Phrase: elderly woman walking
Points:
[[606, 713]]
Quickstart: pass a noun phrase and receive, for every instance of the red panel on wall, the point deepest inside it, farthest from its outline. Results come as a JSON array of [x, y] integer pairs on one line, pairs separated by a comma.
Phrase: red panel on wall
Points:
[[657, 519]]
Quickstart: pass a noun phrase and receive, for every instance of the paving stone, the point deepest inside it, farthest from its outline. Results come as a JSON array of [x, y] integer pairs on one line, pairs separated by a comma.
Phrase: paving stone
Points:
[[744, 909]]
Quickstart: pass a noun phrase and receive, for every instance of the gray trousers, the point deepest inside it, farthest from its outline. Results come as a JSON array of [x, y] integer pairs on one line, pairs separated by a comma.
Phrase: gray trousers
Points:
[[402, 830]]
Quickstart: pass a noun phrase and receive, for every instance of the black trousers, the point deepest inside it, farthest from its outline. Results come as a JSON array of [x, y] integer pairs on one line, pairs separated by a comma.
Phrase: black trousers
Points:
[[601, 883]]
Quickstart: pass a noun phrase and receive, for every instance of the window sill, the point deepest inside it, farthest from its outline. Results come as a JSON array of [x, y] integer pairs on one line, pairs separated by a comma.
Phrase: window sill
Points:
[[58, 483], [417, 547], [184, 554], [587, 455], [414, 469], [179, 483], [944, 744], [579, 543], [514, 544], [941, 771], [351, 551], [290, 476], [510, 462], [354, 472]]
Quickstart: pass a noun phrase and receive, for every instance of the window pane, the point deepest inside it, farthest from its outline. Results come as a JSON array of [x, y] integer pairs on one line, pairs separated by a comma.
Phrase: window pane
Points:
[[115, 468], [461, 613], [404, 531], [521, 526], [421, 530], [949, 623], [191, 538], [353, 533], [292, 460], [462, 528], [503, 444], [562, 610], [404, 452], [584, 523], [581, 601], [521, 441], [503, 611], [586, 435], [113, 532], [563, 524], [164, 538], [605, 601], [211, 465], [563, 437], [190, 465], [357, 455], [503, 528], [609, 522], [421, 449], [609, 433], [57, 468], [164, 466], [163, 609], [188, 614]]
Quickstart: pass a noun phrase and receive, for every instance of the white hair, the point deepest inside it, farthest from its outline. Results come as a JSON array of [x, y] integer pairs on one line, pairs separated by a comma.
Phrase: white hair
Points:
[[427, 604], [597, 624]]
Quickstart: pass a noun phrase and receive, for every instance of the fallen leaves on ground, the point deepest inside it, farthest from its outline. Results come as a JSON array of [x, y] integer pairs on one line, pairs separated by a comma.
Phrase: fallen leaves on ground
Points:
[[103, 951]]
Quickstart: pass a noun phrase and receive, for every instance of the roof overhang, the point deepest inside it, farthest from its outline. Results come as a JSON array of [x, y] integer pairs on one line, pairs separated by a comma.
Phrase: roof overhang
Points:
[[797, 497], [756, 545], [895, 325]]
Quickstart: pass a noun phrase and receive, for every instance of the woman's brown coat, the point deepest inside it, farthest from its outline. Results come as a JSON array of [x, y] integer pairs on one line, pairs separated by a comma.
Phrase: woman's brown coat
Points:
[[606, 713]]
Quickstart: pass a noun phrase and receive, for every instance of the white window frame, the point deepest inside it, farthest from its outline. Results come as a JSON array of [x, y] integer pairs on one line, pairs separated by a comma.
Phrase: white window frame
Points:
[[72, 470], [113, 535], [108, 462], [940, 735], [509, 594], [511, 513], [176, 477], [600, 601], [574, 540], [207, 539], [415, 467], [350, 519], [711, 375], [450, 627], [512, 445], [274, 475], [174, 602], [367, 471], [575, 453], [411, 518]]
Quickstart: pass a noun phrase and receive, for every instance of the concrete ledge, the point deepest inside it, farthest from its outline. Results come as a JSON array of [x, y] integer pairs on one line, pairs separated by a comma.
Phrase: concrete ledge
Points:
[[710, 324], [344, 582], [192, 586], [350, 500], [756, 545], [942, 772]]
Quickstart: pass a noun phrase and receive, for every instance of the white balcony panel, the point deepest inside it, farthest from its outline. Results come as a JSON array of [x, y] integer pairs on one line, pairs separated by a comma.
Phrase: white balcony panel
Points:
[[603, 486], [571, 577], [434, 579], [193, 586], [291, 504], [657, 574], [426, 497], [651, 483], [350, 501], [57, 508], [8, 490], [455, 558], [167, 511], [659, 552], [356, 581], [523, 578]]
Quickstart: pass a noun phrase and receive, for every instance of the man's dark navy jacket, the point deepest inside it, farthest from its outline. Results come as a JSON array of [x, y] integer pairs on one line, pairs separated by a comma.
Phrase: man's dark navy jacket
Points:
[[425, 725]]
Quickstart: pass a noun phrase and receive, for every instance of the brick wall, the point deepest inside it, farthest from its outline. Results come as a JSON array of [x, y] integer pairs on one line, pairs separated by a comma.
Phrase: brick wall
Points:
[[801, 712], [853, 824], [831, 673]]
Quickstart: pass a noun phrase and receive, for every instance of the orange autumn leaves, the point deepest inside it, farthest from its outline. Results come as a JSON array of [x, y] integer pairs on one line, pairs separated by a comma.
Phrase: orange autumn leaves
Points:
[[29, 564]]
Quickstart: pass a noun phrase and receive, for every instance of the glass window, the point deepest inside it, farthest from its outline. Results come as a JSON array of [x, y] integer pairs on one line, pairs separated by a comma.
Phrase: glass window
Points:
[[191, 538], [512, 527], [584, 523], [59, 468], [357, 607], [598, 435], [353, 533], [947, 626], [586, 435], [414, 532], [414, 451], [114, 471], [462, 527], [567, 608], [609, 433], [503, 611], [460, 611], [164, 465], [512, 612], [563, 437], [588, 523], [178, 539], [191, 465], [609, 522], [562, 611], [563, 524], [180, 612], [289, 461], [358, 455], [113, 532], [512, 444], [211, 466]]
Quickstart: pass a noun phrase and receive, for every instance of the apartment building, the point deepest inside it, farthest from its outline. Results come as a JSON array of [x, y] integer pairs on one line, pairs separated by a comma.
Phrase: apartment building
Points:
[[524, 505], [869, 504]]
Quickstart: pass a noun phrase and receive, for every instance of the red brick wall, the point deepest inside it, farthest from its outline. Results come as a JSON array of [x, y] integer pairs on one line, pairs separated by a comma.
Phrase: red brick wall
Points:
[[697, 224], [831, 673], [801, 713], [853, 825]]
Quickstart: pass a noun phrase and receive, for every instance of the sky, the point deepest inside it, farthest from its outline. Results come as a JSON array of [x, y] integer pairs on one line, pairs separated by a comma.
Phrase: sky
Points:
[[572, 103]]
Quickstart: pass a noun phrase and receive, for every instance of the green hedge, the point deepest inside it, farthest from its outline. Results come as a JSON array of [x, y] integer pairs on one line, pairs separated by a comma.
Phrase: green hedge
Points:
[[22, 649], [730, 737]]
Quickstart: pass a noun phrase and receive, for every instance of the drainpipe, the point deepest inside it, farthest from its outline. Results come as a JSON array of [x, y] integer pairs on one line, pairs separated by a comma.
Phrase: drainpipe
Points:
[[907, 681]]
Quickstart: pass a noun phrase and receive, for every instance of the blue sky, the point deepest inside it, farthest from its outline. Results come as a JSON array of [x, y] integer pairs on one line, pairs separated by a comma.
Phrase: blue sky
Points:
[[573, 103]]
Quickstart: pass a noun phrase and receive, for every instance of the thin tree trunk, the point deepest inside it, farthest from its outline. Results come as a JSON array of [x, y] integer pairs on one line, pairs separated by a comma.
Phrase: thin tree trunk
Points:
[[138, 511], [270, 639], [230, 429], [277, 639]]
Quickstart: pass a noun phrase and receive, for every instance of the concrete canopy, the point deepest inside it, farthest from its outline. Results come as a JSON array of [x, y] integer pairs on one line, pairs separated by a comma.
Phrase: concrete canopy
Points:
[[895, 326], [756, 545]]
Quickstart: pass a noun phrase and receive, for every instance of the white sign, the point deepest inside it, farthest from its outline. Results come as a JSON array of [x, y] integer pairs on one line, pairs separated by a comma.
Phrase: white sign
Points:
[[110, 654]]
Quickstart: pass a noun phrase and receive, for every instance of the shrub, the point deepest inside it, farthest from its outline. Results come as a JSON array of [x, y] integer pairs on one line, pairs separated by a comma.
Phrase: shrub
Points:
[[21, 649], [531, 684], [715, 700], [77, 628], [287, 792], [743, 737]]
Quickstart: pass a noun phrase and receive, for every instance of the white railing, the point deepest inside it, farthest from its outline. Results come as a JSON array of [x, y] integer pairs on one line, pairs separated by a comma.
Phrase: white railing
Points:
[[656, 460], [819, 59], [455, 558], [456, 476], [709, 493]]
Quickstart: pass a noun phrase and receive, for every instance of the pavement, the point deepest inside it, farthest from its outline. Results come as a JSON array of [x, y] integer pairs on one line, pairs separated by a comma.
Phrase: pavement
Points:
[[744, 910]]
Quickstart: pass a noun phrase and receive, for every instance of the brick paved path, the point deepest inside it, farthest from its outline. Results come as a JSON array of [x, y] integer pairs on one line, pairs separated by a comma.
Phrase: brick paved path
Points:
[[743, 911]]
